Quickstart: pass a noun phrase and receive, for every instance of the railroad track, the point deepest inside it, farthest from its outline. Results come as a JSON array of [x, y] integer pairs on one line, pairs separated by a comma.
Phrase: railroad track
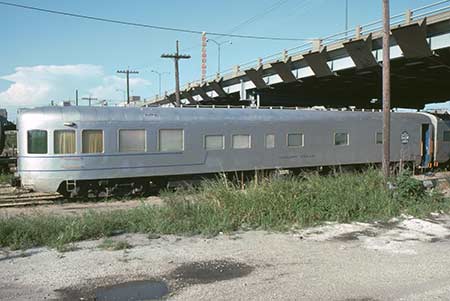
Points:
[[18, 197]]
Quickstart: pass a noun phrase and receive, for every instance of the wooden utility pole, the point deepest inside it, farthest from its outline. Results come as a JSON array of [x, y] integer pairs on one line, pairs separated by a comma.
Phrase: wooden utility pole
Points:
[[386, 91], [176, 57], [128, 72]]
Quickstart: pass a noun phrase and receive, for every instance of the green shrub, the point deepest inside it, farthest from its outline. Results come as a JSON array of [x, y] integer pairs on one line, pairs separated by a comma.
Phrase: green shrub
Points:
[[407, 187]]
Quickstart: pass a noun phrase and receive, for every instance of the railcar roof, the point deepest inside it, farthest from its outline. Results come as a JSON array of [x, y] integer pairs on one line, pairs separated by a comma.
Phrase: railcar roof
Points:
[[85, 113]]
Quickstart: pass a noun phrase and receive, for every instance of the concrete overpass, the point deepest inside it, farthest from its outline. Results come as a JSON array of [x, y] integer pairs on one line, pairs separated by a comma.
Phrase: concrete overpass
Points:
[[343, 69]]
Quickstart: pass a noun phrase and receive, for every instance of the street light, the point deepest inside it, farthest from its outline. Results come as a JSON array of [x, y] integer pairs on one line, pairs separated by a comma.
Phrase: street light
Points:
[[219, 44], [159, 78]]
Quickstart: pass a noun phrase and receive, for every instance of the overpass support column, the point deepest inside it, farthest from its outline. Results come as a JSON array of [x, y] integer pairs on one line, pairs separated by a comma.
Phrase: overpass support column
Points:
[[412, 40], [361, 53], [242, 93], [283, 69], [200, 91], [256, 77], [318, 63], [215, 85]]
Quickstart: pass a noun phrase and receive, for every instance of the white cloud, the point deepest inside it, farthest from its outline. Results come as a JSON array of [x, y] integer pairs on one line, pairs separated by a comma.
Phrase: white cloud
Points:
[[38, 85]]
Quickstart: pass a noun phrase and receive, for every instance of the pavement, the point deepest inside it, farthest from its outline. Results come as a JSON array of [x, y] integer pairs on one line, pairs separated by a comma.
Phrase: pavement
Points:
[[405, 259]]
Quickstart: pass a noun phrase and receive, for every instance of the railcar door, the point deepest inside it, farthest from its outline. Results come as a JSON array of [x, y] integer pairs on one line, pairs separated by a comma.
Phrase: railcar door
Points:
[[426, 143]]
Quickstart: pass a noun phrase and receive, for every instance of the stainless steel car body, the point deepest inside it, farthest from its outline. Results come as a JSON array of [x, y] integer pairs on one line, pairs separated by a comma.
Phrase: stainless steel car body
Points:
[[45, 172]]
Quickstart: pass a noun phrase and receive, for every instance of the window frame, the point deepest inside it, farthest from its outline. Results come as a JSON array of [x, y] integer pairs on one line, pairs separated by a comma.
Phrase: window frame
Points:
[[103, 140], [376, 138], [240, 148], [134, 129], [274, 141], [158, 147], [46, 142], [213, 135], [76, 140], [341, 132], [302, 142]]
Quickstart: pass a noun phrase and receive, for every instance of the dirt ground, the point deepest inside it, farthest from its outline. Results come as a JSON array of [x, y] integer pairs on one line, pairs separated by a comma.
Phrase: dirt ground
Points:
[[78, 207], [406, 259]]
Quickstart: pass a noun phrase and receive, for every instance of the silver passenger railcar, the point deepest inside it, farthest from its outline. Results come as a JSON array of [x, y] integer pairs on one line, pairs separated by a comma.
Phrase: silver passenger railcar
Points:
[[74, 150]]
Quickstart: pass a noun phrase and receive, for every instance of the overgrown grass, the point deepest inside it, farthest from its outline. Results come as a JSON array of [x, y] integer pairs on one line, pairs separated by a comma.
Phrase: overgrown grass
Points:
[[5, 178], [223, 206]]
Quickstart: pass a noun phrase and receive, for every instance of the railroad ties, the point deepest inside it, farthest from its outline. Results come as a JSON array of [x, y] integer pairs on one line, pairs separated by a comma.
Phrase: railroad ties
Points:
[[17, 197]]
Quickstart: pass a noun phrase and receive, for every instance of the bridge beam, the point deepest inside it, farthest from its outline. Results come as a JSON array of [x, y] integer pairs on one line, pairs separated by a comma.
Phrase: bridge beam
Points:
[[360, 52], [187, 95], [171, 98], [318, 63], [283, 69], [412, 40], [200, 91], [256, 77], [215, 85]]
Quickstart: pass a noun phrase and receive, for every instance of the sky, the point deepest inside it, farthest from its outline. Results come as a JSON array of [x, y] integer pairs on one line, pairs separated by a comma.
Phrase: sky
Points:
[[46, 57]]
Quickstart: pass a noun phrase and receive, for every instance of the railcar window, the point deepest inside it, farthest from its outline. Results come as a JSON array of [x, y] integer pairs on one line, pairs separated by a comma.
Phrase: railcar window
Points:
[[132, 141], [447, 136], [241, 141], [214, 142], [37, 142], [379, 138], [92, 141], [171, 140], [341, 138], [64, 142], [270, 141], [295, 140]]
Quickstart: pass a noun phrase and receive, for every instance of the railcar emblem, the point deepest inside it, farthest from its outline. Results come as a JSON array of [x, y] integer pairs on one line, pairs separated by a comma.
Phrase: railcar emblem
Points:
[[404, 137]]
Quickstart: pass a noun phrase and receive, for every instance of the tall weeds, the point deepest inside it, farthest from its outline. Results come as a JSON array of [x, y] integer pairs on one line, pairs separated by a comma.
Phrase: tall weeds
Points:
[[276, 203]]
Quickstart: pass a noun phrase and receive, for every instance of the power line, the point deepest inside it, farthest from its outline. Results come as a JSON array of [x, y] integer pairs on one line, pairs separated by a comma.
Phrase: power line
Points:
[[101, 19], [302, 7], [258, 15], [246, 22]]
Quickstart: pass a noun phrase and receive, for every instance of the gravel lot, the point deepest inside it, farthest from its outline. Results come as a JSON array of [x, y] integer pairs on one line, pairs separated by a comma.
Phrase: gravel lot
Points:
[[407, 259]]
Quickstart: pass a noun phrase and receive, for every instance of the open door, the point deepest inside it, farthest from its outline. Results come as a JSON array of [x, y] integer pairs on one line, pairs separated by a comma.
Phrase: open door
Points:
[[426, 150]]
